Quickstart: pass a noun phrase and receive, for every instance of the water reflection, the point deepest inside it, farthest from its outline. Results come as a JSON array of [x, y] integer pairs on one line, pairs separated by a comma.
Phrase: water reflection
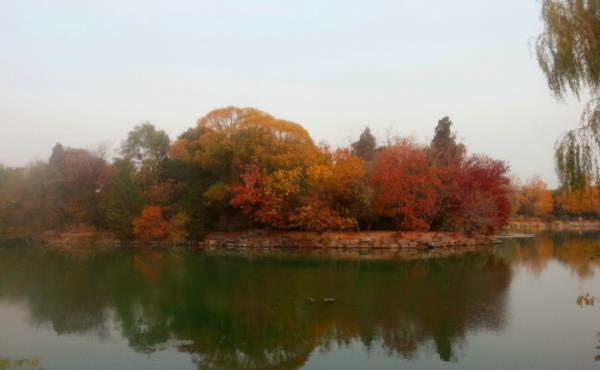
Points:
[[232, 312], [579, 252], [21, 364]]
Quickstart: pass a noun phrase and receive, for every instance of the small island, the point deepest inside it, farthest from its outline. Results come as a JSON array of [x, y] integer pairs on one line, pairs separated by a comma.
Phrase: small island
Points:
[[242, 178], [242, 174]]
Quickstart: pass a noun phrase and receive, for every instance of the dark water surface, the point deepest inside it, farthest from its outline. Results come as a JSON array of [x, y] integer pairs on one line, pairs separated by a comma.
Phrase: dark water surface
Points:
[[510, 307]]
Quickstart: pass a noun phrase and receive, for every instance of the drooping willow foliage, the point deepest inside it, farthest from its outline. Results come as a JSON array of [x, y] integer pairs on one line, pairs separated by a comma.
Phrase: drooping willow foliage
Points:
[[568, 52], [577, 151]]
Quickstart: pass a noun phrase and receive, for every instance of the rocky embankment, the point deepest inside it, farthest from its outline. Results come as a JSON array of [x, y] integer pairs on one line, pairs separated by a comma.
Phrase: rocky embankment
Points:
[[78, 238], [259, 239], [345, 240], [538, 225]]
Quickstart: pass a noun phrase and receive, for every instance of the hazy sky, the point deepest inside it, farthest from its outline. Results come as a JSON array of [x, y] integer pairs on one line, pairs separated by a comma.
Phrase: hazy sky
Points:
[[85, 72]]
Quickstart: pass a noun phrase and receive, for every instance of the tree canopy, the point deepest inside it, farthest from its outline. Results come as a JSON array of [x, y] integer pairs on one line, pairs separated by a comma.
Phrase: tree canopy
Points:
[[568, 52], [146, 146], [241, 168], [365, 146]]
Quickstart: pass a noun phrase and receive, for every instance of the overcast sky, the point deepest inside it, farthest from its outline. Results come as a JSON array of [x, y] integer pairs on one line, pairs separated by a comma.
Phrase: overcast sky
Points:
[[85, 72]]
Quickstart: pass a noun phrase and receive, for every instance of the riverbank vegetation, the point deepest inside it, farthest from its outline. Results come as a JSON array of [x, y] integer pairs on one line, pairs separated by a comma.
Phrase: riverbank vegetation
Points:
[[241, 168], [533, 199]]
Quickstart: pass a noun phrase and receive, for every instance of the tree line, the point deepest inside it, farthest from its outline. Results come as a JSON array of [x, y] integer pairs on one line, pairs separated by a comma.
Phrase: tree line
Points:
[[533, 199], [242, 168]]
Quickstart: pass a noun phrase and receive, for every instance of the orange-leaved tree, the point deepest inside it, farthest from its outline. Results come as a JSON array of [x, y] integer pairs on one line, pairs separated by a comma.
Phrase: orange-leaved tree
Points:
[[581, 203], [226, 140], [537, 199], [318, 198], [336, 191], [151, 225]]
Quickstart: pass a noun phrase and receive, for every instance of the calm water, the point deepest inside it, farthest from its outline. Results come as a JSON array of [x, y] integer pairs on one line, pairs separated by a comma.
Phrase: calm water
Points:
[[510, 307]]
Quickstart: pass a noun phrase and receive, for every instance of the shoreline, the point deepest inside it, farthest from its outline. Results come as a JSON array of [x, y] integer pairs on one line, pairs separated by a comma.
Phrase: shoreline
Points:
[[299, 240], [540, 225], [366, 240]]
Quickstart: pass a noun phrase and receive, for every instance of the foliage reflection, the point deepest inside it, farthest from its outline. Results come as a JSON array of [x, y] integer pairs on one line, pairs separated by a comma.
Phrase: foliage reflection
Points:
[[261, 312]]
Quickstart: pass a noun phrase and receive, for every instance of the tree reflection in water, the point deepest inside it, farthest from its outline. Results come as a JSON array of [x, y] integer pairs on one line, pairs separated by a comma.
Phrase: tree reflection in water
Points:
[[587, 300], [253, 312], [579, 251], [34, 363]]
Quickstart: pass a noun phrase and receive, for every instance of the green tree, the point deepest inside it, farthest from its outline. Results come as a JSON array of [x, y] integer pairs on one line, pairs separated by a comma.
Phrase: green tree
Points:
[[568, 53], [146, 147], [188, 198], [124, 201]]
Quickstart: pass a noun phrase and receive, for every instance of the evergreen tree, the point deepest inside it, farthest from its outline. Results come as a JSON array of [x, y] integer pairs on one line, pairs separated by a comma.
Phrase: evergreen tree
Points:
[[365, 146], [125, 200], [444, 149]]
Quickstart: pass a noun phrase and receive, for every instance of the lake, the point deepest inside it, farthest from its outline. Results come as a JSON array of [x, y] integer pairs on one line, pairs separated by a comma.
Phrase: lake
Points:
[[511, 306]]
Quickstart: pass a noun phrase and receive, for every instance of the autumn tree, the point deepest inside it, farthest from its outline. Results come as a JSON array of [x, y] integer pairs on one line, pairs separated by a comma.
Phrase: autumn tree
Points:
[[80, 177], [150, 225], [241, 168], [514, 193], [579, 202], [406, 188], [480, 202], [11, 181], [28, 202], [227, 140], [178, 228], [230, 138], [268, 199], [4, 201], [321, 197], [544, 205], [335, 193], [157, 223], [446, 156], [568, 53], [537, 198]]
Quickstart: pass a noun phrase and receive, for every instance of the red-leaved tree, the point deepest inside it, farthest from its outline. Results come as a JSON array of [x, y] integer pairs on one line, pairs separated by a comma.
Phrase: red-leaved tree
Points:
[[479, 202], [405, 186], [267, 199]]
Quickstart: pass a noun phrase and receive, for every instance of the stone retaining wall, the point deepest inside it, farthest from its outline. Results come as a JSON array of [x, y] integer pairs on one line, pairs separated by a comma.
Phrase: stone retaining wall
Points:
[[538, 225], [345, 240]]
